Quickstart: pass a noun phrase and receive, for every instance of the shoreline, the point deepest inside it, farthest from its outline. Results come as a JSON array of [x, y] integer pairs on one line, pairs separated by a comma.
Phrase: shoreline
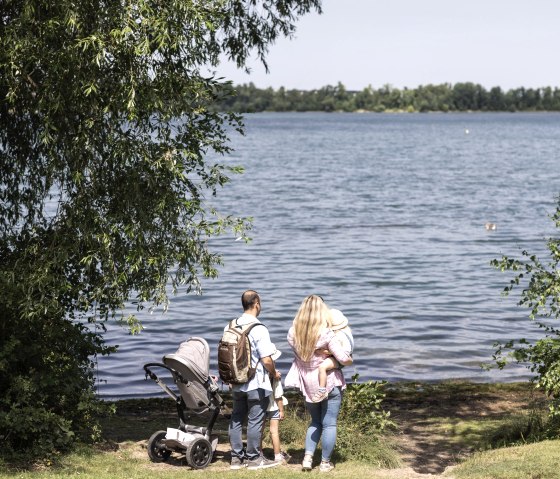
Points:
[[399, 112], [389, 385]]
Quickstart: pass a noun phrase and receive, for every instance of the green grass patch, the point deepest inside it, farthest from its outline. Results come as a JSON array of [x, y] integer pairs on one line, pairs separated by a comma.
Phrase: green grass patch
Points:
[[531, 461], [125, 465]]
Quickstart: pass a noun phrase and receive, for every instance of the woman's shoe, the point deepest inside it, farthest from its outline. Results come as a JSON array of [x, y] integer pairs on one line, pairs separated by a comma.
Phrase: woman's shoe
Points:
[[326, 466], [307, 463]]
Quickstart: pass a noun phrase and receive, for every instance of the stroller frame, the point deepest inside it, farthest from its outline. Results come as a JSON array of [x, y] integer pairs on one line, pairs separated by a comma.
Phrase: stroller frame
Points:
[[197, 394]]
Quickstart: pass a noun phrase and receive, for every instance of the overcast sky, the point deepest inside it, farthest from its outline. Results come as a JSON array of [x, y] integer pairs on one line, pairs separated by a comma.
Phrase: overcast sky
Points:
[[507, 43]]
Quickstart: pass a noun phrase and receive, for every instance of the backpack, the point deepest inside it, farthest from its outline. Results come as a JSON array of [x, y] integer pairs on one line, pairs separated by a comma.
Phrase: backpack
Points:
[[234, 354]]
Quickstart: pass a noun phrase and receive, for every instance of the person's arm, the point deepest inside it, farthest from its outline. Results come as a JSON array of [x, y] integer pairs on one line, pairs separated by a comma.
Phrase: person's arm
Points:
[[268, 364], [339, 352], [290, 337], [280, 404], [324, 350], [265, 349]]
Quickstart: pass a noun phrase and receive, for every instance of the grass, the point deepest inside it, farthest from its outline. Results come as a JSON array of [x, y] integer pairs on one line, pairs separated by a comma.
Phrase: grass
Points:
[[86, 464], [532, 461], [450, 416]]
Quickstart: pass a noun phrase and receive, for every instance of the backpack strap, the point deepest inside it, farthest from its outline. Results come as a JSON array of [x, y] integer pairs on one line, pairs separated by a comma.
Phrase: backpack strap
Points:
[[250, 326], [240, 326]]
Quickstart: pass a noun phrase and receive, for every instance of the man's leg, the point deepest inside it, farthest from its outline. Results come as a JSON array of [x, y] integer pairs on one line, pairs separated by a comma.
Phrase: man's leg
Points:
[[257, 403], [238, 415]]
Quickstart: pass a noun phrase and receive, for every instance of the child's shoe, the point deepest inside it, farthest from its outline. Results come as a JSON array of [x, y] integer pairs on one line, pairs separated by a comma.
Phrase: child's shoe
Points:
[[320, 395], [283, 457]]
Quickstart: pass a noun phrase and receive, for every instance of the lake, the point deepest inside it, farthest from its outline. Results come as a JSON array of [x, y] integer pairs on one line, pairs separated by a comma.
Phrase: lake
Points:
[[384, 216]]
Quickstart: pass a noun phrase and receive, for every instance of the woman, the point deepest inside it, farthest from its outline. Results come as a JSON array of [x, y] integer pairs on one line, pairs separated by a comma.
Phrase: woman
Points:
[[312, 340]]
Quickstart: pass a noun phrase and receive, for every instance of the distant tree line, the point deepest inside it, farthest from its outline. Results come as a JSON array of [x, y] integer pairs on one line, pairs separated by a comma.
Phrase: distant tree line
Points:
[[445, 97]]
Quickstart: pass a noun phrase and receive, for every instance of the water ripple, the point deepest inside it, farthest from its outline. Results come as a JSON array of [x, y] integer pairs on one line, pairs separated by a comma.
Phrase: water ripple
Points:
[[383, 215]]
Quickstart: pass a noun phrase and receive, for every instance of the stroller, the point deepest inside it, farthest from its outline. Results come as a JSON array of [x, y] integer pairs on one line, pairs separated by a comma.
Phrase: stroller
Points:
[[197, 395]]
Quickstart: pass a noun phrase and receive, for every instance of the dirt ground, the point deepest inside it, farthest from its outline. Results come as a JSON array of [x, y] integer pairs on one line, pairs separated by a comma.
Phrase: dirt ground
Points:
[[429, 419], [437, 426]]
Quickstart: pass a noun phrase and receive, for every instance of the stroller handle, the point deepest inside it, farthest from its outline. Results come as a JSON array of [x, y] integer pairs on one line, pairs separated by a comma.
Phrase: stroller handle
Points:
[[208, 384], [159, 382]]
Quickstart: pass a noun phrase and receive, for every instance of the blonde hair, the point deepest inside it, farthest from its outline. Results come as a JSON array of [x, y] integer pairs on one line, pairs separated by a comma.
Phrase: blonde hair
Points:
[[312, 317]]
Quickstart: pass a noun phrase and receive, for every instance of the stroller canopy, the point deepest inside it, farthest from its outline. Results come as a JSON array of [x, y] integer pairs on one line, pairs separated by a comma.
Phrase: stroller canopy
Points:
[[192, 359], [192, 362]]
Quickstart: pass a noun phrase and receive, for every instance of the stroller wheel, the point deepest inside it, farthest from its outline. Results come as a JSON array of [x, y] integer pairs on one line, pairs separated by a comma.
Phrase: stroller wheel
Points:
[[199, 453], [156, 450]]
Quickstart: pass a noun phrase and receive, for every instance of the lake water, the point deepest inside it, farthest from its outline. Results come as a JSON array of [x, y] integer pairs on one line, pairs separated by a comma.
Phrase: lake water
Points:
[[383, 215]]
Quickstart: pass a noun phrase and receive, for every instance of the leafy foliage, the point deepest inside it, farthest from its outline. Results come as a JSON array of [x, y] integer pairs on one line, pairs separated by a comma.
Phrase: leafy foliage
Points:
[[362, 420], [445, 97], [105, 182], [47, 399], [542, 296]]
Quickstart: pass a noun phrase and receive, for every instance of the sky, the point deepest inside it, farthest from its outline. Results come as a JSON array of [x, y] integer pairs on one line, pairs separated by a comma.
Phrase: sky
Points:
[[407, 43]]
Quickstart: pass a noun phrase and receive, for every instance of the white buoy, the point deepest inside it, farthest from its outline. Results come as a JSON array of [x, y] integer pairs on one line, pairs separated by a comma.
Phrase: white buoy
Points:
[[490, 226]]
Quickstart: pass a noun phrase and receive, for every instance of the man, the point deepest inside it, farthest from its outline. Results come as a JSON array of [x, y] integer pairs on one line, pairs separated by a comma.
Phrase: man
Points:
[[250, 399]]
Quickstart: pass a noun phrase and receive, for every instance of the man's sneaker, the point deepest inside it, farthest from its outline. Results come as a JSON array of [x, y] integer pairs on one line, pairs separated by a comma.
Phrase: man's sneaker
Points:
[[237, 463], [307, 463], [261, 462], [326, 466]]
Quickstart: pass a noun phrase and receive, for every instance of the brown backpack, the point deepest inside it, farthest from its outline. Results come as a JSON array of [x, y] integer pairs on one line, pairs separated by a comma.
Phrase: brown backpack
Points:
[[234, 353]]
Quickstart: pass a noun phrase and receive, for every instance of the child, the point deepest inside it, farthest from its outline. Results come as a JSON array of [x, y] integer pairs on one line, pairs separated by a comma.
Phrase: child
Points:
[[275, 412], [339, 325]]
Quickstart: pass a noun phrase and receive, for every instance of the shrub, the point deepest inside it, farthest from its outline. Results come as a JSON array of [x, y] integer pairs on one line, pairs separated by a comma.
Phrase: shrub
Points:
[[362, 422], [47, 399], [541, 295]]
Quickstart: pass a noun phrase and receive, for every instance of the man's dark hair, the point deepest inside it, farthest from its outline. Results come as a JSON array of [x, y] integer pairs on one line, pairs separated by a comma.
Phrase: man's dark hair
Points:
[[249, 298]]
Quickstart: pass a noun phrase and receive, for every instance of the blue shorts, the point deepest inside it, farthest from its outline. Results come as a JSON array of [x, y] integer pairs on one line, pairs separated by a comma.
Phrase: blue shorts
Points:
[[273, 414]]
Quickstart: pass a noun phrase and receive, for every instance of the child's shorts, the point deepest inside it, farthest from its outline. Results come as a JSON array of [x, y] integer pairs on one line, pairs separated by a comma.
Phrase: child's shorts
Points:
[[273, 414]]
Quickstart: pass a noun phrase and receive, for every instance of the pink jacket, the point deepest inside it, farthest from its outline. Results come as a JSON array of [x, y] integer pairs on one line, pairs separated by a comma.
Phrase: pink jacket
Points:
[[304, 375]]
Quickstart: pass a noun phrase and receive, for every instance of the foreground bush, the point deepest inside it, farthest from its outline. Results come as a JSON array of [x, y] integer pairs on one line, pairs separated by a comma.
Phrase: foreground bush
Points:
[[362, 425], [47, 398]]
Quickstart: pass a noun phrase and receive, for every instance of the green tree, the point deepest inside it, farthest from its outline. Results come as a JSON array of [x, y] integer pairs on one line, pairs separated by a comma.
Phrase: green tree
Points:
[[105, 186], [541, 294], [467, 96], [496, 100]]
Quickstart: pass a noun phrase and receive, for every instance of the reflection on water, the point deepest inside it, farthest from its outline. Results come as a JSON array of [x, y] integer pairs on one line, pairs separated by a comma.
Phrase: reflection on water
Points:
[[384, 216]]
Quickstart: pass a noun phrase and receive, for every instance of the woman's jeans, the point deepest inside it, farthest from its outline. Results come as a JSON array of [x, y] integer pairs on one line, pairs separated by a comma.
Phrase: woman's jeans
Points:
[[324, 415]]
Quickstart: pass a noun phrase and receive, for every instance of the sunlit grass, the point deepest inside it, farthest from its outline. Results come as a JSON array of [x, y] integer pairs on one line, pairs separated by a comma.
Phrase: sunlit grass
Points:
[[128, 463], [532, 461]]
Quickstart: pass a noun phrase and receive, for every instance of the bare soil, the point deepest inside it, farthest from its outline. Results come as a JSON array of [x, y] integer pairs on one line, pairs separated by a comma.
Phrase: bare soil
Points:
[[437, 424]]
